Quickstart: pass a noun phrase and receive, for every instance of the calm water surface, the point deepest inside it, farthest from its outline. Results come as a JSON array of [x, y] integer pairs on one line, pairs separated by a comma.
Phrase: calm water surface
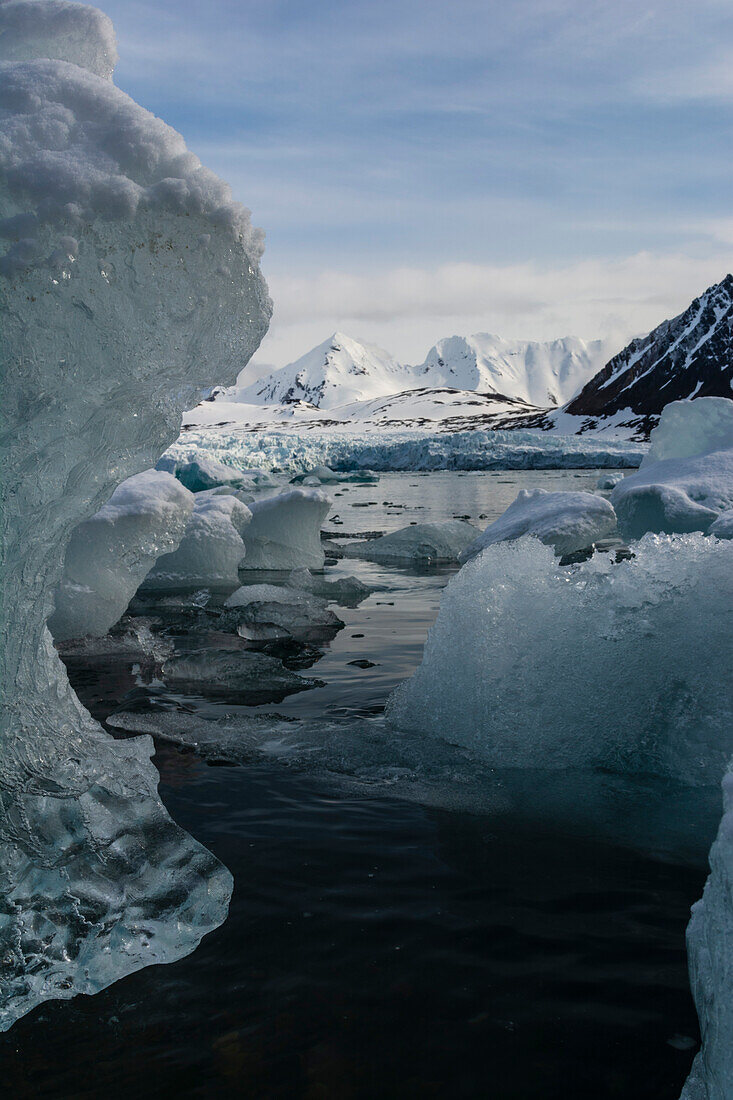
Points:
[[391, 947]]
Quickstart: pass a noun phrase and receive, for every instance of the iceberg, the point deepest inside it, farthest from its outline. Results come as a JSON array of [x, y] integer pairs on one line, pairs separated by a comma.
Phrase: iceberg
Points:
[[686, 480], [267, 612], [565, 521], [211, 549], [204, 473], [110, 554], [418, 544], [616, 665], [129, 282], [285, 532], [608, 481]]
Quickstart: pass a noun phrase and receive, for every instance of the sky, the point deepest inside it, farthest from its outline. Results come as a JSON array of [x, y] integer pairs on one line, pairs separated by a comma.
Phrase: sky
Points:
[[429, 167]]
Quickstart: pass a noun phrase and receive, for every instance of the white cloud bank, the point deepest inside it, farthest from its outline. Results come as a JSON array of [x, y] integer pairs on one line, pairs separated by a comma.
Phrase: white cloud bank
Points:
[[406, 309]]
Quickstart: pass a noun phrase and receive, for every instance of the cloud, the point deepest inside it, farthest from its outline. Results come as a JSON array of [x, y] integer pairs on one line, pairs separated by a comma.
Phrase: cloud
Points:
[[406, 309]]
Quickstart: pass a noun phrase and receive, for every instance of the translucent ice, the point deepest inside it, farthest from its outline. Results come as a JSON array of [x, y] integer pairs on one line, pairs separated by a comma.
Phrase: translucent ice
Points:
[[345, 591], [285, 532], [710, 952], [565, 521], [622, 666], [128, 282], [686, 480], [211, 549], [419, 544], [267, 611], [244, 675], [110, 554]]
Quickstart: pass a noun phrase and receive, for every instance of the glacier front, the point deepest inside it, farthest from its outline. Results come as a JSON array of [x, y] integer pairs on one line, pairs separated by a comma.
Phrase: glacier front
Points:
[[129, 281]]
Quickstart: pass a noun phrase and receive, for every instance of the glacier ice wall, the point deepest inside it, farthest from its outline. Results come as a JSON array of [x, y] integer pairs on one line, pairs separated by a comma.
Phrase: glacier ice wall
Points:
[[623, 666], [128, 281]]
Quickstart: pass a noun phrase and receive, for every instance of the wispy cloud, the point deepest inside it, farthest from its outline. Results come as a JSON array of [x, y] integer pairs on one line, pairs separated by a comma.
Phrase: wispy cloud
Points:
[[406, 309], [406, 153]]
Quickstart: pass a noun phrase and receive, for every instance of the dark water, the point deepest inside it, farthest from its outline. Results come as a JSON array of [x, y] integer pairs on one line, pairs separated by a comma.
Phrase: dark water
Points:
[[380, 947]]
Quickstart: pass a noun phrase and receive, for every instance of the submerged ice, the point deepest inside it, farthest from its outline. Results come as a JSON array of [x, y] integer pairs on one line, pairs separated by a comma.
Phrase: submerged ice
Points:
[[121, 256]]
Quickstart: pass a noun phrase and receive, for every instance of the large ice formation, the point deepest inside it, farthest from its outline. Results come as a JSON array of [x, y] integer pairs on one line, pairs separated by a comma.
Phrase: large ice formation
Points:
[[211, 549], [565, 521], [110, 554], [417, 544], [686, 480], [710, 953], [285, 532], [623, 665], [128, 281]]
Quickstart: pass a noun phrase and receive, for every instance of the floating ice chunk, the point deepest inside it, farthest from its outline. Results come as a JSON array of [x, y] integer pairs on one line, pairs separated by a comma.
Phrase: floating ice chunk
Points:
[[110, 554], [269, 612], [345, 591], [686, 480], [324, 474], [134, 638], [211, 549], [607, 481], [675, 494], [623, 666], [710, 954], [60, 30], [247, 676], [243, 495], [689, 428], [204, 473], [722, 528], [565, 521], [419, 544], [312, 481], [285, 532]]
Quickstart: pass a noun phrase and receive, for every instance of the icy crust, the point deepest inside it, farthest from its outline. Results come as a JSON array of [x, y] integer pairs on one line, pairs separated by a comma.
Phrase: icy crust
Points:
[[285, 532], [686, 481], [646, 640], [102, 350], [74, 149], [409, 450], [565, 521], [710, 954], [211, 548], [60, 30], [110, 554]]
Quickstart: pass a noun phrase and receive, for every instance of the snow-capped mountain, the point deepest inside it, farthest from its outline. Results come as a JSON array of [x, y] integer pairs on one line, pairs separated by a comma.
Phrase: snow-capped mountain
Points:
[[689, 356], [540, 373], [343, 370], [338, 371]]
